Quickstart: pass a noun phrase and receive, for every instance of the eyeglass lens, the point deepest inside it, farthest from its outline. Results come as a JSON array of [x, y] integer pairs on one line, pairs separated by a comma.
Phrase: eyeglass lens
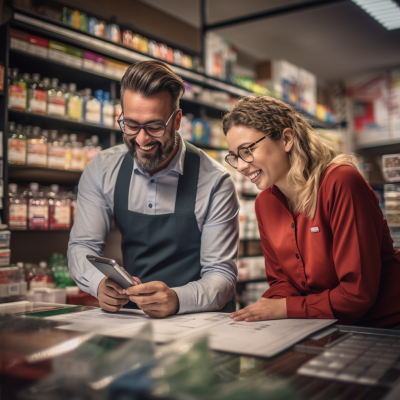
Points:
[[131, 128], [245, 154]]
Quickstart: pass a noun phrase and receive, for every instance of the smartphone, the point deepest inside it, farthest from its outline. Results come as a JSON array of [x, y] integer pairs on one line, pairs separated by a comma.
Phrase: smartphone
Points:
[[112, 270]]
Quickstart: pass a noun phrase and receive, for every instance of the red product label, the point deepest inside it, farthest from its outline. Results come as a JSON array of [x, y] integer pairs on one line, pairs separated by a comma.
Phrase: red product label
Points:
[[40, 95], [38, 41]]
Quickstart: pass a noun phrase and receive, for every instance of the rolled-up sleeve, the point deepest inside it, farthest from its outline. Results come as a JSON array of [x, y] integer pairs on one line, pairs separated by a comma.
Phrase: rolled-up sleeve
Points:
[[218, 254], [90, 230]]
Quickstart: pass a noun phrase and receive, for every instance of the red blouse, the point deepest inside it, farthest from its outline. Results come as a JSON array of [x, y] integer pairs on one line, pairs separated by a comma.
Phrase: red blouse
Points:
[[341, 264]]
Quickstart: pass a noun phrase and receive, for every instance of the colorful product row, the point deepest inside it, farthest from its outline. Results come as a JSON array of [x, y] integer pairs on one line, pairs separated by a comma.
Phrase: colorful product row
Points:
[[112, 32], [45, 209], [43, 97], [32, 146]]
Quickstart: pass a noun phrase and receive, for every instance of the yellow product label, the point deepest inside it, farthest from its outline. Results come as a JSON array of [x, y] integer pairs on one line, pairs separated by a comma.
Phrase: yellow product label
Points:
[[75, 108]]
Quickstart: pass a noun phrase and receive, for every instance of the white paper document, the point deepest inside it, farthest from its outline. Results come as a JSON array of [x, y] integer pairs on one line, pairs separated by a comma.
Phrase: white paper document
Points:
[[126, 323], [263, 339]]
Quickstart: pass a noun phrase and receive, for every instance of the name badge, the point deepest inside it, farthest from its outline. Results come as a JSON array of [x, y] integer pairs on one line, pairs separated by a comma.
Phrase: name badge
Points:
[[314, 229]]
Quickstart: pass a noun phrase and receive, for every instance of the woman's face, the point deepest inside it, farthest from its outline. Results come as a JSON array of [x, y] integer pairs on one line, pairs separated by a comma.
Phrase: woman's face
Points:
[[271, 161]]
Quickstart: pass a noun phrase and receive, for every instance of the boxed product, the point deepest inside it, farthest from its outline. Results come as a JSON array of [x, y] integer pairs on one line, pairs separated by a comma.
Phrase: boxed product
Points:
[[5, 239], [5, 257], [391, 167], [73, 56], [392, 204], [93, 62], [57, 51], [18, 40], [38, 46]]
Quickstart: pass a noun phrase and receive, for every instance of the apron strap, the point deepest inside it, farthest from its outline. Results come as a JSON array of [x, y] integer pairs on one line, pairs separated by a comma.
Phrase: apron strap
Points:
[[121, 191], [187, 184]]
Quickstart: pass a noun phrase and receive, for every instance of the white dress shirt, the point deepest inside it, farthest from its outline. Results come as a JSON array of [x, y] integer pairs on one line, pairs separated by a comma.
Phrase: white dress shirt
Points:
[[216, 211]]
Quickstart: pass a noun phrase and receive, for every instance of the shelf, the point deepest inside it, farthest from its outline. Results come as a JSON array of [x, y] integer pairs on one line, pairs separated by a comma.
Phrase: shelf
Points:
[[257, 280], [380, 147], [88, 73], [117, 51], [27, 174], [46, 121], [40, 231], [249, 240], [46, 26]]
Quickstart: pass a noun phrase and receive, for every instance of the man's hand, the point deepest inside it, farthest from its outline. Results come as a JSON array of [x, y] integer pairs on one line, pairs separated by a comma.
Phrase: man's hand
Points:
[[111, 296], [262, 310], [156, 299]]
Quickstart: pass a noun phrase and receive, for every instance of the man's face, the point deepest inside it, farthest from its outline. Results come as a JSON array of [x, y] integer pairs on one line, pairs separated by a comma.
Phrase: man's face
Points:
[[150, 152]]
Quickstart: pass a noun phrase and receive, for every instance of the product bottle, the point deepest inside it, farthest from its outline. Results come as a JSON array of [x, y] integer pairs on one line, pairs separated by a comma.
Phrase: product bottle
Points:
[[74, 205], [108, 110], [37, 96], [74, 104], [37, 148], [17, 92], [92, 148], [17, 209], [68, 151], [77, 154], [38, 211], [41, 277], [55, 151], [55, 100], [93, 107], [59, 210], [117, 111], [16, 144]]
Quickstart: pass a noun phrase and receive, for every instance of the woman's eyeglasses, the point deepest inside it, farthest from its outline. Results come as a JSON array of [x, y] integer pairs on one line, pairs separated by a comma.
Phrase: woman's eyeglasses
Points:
[[153, 129], [244, 153]]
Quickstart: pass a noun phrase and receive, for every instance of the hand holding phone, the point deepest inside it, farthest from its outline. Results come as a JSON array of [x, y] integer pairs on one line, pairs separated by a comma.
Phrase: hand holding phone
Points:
[[110, 291], [113, 271]]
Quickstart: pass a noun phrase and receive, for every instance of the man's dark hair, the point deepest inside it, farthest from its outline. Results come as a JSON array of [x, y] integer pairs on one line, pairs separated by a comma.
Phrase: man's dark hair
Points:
[[151, 77]]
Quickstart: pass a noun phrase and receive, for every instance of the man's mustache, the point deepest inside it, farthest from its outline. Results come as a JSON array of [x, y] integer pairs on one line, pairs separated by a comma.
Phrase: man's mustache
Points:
[[133, 142]]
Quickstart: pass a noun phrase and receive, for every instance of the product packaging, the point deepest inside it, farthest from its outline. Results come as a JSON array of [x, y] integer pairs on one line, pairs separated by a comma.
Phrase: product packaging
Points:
[[38, 46]]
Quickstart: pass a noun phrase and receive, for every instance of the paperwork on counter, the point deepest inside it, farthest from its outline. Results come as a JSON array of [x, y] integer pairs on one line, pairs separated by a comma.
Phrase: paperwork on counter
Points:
[[263, 339]]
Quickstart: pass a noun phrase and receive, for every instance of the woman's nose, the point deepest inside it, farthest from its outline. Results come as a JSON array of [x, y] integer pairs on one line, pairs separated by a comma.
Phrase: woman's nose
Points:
[[242, 165]]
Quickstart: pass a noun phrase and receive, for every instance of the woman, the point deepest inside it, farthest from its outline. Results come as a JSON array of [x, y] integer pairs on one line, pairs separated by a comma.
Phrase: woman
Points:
[[327, 248]]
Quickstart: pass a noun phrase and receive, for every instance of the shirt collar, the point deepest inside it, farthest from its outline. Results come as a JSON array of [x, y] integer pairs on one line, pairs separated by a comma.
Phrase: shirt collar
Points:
[[176, 164]]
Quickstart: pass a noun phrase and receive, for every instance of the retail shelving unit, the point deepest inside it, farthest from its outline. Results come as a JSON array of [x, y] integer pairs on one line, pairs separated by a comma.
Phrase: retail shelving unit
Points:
[[50, 29]]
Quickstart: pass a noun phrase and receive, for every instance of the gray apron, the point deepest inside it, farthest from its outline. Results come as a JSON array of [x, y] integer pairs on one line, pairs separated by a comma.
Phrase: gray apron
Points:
[[162, 247]]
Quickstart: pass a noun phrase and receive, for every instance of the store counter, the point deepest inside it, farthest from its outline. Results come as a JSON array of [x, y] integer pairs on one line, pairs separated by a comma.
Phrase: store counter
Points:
[[34, 350]]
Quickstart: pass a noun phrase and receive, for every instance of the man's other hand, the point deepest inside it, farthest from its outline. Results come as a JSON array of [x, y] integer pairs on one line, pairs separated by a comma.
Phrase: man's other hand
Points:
[[111, 296], [156, 299]]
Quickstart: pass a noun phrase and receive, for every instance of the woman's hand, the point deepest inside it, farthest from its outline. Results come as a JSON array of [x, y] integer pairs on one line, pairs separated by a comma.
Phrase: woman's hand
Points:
[[262, 310]]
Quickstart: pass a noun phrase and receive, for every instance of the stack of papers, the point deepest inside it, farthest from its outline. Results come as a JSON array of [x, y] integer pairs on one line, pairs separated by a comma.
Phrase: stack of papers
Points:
[[262, 339]]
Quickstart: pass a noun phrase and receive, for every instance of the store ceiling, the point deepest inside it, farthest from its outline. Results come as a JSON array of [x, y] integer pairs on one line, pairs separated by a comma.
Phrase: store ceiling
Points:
[[333, 41]]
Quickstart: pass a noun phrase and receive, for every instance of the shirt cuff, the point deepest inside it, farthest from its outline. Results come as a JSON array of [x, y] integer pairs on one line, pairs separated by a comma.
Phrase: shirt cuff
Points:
[[186, 299], [296, 307], [94, 282]]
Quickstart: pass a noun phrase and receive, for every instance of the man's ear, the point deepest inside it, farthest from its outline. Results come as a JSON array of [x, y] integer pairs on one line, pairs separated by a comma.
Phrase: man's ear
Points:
[[178, 120], [287, 136]]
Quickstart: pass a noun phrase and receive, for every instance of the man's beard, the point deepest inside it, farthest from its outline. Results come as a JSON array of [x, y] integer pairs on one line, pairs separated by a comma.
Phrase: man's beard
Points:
[[152, 161]]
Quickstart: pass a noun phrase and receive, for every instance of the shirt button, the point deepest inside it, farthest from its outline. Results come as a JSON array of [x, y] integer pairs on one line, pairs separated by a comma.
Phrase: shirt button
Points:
[[152, 181], [292, 225], [150, 205], [297, 256], [303, 283]]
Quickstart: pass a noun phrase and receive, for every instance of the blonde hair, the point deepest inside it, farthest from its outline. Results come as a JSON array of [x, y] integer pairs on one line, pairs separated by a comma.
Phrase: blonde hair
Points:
[[309, 157]]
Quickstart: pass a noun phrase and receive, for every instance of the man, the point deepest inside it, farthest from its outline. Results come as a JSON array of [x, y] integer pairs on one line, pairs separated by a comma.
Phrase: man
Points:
[[176, 208]]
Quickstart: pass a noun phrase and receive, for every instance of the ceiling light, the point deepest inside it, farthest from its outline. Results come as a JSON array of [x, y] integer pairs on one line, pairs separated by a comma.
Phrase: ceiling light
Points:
[[386, 12]]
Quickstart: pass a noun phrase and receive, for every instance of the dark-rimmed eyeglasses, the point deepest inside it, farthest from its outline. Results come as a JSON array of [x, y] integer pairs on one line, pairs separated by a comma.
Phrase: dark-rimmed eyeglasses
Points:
[[244, 154], [153, 129]]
